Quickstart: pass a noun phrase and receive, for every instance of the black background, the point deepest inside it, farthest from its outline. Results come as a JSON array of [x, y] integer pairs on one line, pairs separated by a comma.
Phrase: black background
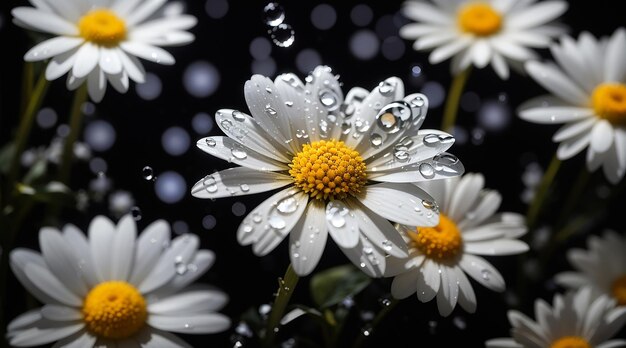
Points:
[[249, 280]]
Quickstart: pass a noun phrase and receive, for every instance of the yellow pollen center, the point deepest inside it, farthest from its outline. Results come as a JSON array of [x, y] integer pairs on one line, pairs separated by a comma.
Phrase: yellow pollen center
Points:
[[441, 243], [102, 27], [479, 19], [328, 169], [114, 310], [609, 102], [619, 290], [570, 342]]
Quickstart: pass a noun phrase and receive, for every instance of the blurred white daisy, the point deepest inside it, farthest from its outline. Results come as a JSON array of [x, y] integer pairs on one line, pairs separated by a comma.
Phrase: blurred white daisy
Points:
[[347, 166], [602, 267], [588, 95], [496, 32], [440, 256], [115, 290], [96, 41], [576, 320]]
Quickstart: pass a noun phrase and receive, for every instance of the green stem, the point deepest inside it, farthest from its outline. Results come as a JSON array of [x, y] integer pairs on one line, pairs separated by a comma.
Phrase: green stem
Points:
[[452, 102], [76, 120], [577, 190], [286, 287], [540, 196], [379, 317], [26, 124]]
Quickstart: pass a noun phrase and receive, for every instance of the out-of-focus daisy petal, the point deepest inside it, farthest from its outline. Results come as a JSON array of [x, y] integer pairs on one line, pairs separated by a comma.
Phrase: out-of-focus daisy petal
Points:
[[571, 147], [614, 68], [553, 79], [197, 324], [148, 52], [48, 283], [482, 271], [59, 259], [52, 47], [45, 22], [45, 332]]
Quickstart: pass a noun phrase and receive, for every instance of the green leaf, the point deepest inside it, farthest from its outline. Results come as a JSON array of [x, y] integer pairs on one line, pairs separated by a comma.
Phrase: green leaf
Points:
[[6, 154], [331, 286]]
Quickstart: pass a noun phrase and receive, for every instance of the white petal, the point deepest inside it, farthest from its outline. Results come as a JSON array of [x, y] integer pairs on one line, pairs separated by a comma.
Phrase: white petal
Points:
[[238, 181], [281, 216], [23, 321], [328, 98], [555, 114], [144, 10], [132, 66], [61, 260], [123, 252], [110, 61], [19, 259], [485, 206], [45, 281], [396, 265], [512, 50], [87, 59], [97, 84], [481, 53], [614, 68], [569, 148], [572, 61], [482, 271], [161, 26], [404, 284], [52, 47], [60, 313], [368, 258], [74, 82], [530, 38], [61, 64], [378, 230], [412, 31], [448, 50], [502, 343], [148, 52], [45, 332], [601, 136], [448, 294], [571, 279], [537, 14], [190, 324], [424, 12], [553, 79], [80, 339], [438, 38], [467, 297], [429, 281], [497, 247], [148, 249], [500, 66], [307, 240], [69, 9], [189, 302], [202, 260], [342, 224], [573, 129], [230, 150], [180, 251], [465, 196], [402, 203], [124, 7], [101, 234], [44, 21], [154, 338], [120, 82]]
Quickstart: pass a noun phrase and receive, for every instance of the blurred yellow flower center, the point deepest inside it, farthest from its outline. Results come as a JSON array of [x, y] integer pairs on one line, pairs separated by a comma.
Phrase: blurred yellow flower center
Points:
[[442, 242], [114, 310], [609, 102], [328, 170], [619, 290], [570, 342], [102, 27], [479, 19]]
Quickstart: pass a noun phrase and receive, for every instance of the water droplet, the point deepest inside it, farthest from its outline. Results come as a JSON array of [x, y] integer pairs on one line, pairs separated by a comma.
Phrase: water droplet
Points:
[[429, 205], [147, 173], [277, 222], [135, 213], [387, 245], [346, 127], [287, 205], [401, 153], [427, 170], [210, 142], [366, 331], [239, 153], [289, 103], [368, 250], [431, 140], [336, 213], [386, 88], [273, 14], [301, 133], [256, 217], [210, 185], [239, 116], [446, 159], [385, 302], [268, 90], [270, 110], [393, 117], [417, 102], [329, 99], [247, 228], [282, 35], [244, 187], [376, 139], [226, 124], [485, 274], [361, 126]]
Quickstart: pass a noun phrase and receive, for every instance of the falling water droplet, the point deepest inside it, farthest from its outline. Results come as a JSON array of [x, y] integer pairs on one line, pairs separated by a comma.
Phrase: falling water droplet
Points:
[[273, 14], [135, 213], [282, 35], [147, 173]]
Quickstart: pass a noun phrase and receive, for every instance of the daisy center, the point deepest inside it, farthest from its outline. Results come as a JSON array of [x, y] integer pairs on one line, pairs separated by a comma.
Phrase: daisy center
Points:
[[479, 19], [619, 290], [442, 242], [114, 310], [570, 342], [609, 102], [328, 170], [102, 27]]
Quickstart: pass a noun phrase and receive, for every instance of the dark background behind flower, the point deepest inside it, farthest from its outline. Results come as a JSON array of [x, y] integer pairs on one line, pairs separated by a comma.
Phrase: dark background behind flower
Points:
[[158, 123]]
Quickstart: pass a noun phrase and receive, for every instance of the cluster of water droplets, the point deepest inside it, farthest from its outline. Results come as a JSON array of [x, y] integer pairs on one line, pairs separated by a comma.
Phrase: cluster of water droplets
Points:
[[281, 33]]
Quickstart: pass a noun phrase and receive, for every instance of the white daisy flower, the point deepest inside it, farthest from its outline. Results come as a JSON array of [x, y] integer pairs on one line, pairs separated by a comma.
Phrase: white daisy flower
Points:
[[440, 256], [100, 40], [115, 290], [602, 267], [346, 165], [500, 32], [575, 320], [588, 95]]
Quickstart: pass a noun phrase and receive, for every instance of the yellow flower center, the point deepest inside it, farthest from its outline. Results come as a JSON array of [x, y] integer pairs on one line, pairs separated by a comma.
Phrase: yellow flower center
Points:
[[479, 19], [609, 102], [328, 170], [570, 342], [102, 27], [619, 290], [114, 310], [442, 242]]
